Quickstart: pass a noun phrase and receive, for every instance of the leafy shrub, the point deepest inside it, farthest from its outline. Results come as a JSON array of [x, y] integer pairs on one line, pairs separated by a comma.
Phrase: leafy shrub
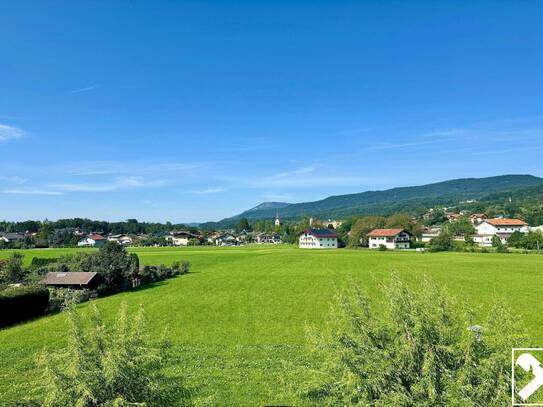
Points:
[[60, 298], [382, 248], [22, 303], [424, 349], [442, 243], [110, 366]]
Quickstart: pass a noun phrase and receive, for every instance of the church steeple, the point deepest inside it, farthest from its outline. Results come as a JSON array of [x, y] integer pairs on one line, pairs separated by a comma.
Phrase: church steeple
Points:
[[277, 221]]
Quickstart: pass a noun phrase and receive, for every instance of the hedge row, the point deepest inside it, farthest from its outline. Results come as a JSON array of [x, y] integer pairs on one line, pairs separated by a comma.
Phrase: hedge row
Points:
[[21, 303]]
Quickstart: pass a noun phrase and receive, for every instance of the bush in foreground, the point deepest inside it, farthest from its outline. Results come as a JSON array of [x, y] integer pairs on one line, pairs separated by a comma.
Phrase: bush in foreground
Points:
[[423, 349], [116, 366], [22, 303]]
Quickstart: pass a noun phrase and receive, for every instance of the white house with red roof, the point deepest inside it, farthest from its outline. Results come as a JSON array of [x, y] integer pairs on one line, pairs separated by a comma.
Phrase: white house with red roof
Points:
[[501, 227], [92, 240], [318, 239], [390, 238]]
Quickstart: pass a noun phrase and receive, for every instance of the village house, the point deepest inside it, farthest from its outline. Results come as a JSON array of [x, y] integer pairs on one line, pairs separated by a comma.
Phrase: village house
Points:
[[477, 218], [268, 238], [430, 233], [226, 239], [9, 237], [318, 239], [72, 279], [501, 227], [123, 240], [181, 238], [390, 238], [92, 240]]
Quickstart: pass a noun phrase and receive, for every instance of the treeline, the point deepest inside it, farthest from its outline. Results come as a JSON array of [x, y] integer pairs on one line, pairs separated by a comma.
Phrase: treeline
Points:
[[132, 226]]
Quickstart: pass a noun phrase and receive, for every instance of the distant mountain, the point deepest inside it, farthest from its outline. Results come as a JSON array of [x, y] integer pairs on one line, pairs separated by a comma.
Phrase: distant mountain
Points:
[[267, 205], [403, 199]]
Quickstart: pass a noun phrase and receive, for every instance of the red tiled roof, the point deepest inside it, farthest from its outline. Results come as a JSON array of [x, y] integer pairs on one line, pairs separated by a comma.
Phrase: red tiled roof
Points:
[[96, 236], [384, 232], [506, 222]]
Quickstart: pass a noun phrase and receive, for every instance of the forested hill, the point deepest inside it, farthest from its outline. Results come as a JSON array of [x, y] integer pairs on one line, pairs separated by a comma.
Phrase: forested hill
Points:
[[404, 199]]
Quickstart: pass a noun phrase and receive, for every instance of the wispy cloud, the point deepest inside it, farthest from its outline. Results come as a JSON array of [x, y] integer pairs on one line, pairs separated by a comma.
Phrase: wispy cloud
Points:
[[278, 197], [10, 132], [120, 168], [85, 89], [117, 184], [30, 191], [209, 190], [13, 179]]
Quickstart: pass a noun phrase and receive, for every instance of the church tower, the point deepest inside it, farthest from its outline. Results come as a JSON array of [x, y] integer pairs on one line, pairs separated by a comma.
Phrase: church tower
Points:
[[277, 221]]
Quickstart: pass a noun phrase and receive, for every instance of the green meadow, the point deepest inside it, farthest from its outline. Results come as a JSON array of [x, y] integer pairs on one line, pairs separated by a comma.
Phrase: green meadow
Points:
[[240, 316]]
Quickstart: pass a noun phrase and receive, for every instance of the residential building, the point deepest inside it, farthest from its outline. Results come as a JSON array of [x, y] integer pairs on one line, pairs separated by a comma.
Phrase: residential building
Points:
[[92, 240], [390, 238], [226, 239], [318, 239], [9, 237], [268, 238], [181, 238], [430, 233], [123, 240], [477, 218], [501, 227]]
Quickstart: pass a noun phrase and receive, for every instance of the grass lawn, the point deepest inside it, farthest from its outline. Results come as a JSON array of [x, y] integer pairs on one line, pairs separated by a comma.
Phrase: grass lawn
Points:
[[241, 312]]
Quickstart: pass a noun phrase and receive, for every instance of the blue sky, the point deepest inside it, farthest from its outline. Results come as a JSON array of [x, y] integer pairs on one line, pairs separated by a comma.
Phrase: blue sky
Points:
[[194, 111]]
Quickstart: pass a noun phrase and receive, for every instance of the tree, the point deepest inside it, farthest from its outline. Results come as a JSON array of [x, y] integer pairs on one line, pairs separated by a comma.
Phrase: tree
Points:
[[460, 227], [442, 243], [112, 261], [110, 366], [516, 239], [243, 224], [360, 229], [12, 270], [422, 348]]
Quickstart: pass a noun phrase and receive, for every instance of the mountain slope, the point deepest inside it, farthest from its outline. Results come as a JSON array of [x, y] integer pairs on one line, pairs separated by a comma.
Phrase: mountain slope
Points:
[[392, 200]]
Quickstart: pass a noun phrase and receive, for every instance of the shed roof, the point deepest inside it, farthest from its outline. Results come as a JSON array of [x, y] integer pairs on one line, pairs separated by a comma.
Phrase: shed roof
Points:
[[69, 278]]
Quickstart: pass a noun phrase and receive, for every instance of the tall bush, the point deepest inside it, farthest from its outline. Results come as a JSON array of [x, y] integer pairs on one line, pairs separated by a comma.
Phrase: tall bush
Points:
[[22, 303], [423, 349], [117, 365]]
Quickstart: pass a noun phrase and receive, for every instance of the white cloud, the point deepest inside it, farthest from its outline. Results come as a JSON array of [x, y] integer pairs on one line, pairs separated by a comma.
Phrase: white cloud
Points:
[[119, 168], [13, 179], [209, 190], [10, 132], [117, 184], [30, 191], [85, 89]]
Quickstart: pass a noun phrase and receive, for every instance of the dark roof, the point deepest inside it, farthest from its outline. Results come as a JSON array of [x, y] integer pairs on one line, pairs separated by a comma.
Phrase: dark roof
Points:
[[69, 278], [321, 232], [12, 236]]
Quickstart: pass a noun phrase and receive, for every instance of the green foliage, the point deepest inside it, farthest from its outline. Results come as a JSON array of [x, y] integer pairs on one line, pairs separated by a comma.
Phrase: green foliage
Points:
[[422, 349], [460, 227], [361, 228], [382, 248], [12, 270], [442, 243], [243, 225], [498, 244], [110, 366]]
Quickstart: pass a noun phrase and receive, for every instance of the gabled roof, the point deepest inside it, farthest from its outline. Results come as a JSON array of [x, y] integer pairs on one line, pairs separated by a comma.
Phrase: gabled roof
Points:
[[385, 232], [96, 236], [506, 222], [321, 233], [69, 278]]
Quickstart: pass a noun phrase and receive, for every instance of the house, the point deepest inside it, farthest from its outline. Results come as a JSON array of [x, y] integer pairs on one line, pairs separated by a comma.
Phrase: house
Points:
[[74, 279], [501, 227], [268, 238], [181, 238], [92, 240], [226, 240], [123, 240], [430, 233], [318, 239], [390, 238], [9, 237], [477, 218]]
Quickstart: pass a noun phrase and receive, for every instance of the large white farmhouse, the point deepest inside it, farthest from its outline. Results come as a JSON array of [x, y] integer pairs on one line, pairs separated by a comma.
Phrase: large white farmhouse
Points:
[[180, 238], [501, 227], [390, 238], [92, 240], [318, 239]]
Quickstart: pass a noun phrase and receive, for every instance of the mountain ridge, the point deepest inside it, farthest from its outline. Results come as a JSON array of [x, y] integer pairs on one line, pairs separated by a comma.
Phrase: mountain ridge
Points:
[[384, 202]]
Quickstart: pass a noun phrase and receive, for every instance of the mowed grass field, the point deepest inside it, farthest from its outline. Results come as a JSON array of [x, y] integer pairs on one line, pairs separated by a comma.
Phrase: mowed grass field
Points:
[[242, 312]]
